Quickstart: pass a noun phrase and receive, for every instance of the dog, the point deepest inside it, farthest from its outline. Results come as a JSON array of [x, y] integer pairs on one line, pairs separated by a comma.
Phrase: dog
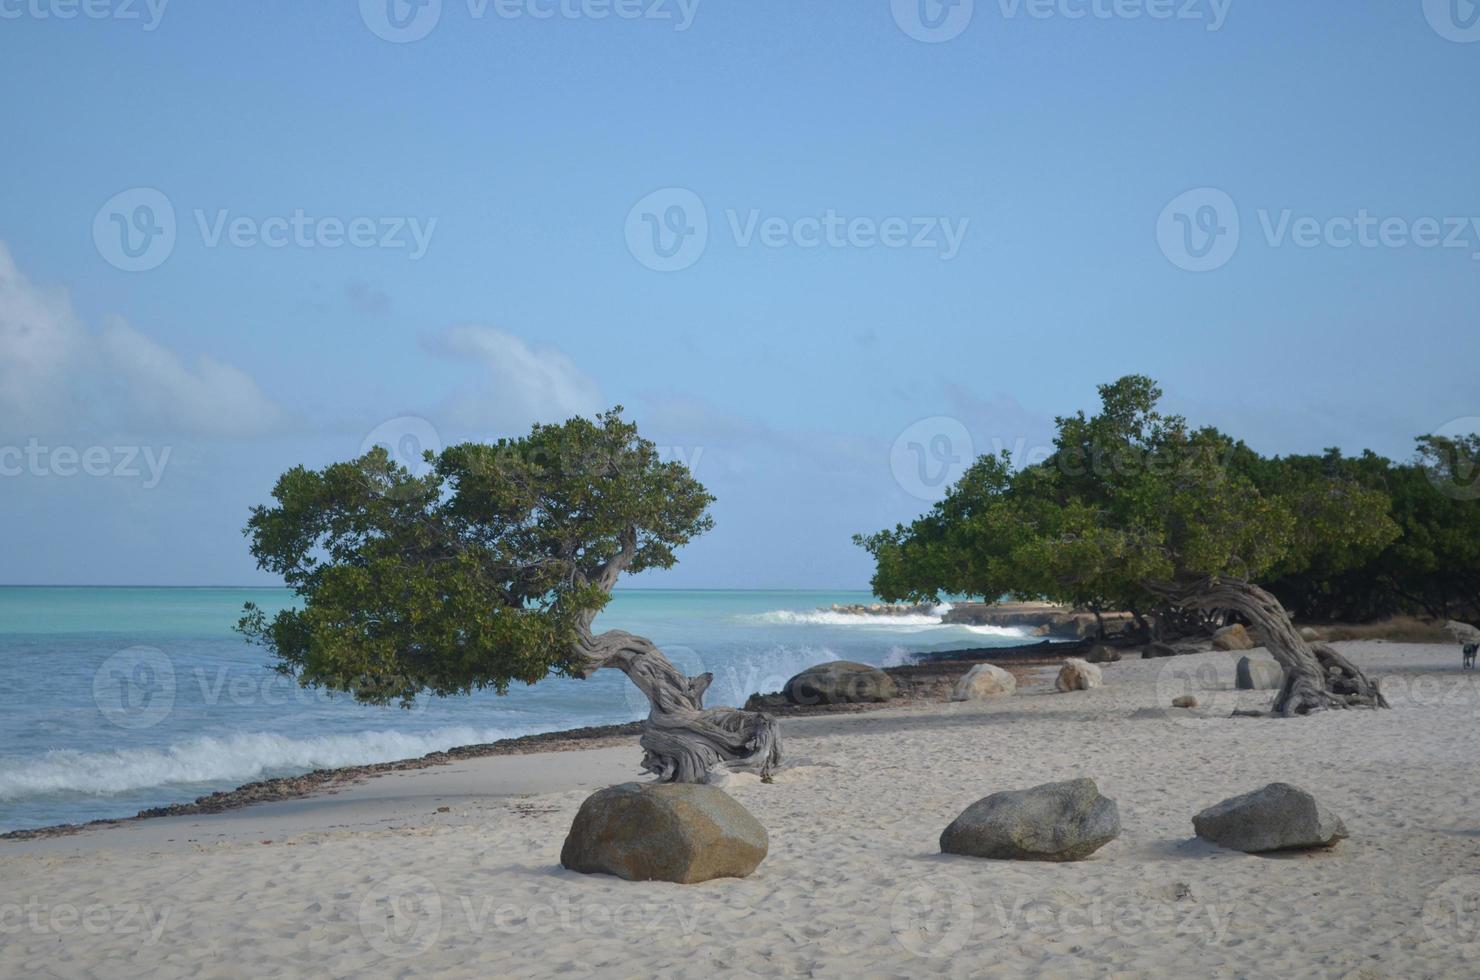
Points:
[[1470, 649]]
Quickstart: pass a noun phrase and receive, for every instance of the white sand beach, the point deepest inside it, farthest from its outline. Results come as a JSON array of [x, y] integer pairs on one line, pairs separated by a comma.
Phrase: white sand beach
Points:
[[454, 870]]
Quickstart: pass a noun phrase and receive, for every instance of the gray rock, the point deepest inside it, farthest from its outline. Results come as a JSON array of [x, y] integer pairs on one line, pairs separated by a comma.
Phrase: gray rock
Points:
[[1258, 675], [1101, 654], [840, 682], [1054, 822], [1154, 650], [1278, 817], [664, 832]]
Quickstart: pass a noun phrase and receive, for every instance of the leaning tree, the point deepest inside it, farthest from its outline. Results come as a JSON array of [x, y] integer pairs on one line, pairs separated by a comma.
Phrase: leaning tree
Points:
[[1135, 509], [491, 568]]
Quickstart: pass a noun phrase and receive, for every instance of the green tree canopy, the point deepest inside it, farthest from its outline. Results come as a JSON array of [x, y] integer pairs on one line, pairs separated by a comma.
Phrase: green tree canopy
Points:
[[488, 569], [1132, 506]]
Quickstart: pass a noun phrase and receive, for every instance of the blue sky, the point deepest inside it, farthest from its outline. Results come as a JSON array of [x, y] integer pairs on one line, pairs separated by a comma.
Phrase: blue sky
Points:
[[1018, 204]]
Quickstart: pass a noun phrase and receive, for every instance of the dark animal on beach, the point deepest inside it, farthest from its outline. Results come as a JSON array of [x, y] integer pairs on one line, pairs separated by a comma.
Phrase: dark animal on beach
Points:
[[1470, 649]]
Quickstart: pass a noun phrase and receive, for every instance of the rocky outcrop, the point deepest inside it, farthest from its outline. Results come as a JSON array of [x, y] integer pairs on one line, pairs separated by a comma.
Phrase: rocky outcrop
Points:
[[840, 682], [1054, 822], [983, 682], [1077, 675], [1278, 817], [1033, 616], [1258, 675], [1233, 637], [678, 832]]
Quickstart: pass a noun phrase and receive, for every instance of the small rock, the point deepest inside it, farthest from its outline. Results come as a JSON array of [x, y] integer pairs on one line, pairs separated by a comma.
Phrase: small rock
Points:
[[1233, 637], [840, 682], [678, 832], [1276, 818], [1065, 821], [1101, 654], [1153, 650], [1184, 701], [1308, 634], [1077, 675], [984, 681], [1258, 675], [444, 809]]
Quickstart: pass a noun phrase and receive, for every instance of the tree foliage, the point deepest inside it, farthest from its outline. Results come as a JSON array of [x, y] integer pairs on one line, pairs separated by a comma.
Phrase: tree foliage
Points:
[[1132, 505], [485, 571]]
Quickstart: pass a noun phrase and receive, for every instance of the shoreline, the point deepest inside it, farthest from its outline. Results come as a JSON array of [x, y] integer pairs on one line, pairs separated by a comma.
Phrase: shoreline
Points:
[[924, 681]]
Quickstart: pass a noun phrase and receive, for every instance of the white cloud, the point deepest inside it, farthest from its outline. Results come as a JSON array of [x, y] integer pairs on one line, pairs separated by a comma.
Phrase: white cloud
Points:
[[517, 384], [39, 339], [215, 398], [55, 373]]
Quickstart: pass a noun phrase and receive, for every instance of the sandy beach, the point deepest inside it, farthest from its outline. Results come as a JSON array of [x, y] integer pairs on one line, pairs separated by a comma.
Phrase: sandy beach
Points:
[[454, 870]]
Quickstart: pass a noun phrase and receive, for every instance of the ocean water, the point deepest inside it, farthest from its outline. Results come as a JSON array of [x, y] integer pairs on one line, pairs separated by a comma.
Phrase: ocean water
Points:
[[117, 699]]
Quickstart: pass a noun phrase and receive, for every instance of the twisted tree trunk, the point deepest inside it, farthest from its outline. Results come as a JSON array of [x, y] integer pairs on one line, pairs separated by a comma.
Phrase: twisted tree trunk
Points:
[[682, 740], [1316, 676]]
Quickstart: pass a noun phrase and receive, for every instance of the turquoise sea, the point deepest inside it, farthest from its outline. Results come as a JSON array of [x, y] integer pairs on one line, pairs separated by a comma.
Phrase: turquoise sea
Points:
[[117, 699]]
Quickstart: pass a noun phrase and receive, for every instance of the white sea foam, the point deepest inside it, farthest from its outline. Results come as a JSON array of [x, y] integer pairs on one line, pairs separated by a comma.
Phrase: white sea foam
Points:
[[230, 759], [763, 673], [830, 617]]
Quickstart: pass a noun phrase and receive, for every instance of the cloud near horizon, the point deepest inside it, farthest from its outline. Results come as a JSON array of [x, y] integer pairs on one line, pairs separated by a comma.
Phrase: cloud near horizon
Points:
[[56, 373]]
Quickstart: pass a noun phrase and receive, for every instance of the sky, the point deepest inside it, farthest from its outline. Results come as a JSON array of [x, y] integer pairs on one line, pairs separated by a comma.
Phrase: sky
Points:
[[824, 253]]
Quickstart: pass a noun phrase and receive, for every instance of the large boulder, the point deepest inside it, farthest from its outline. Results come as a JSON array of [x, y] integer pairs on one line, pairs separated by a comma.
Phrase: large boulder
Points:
[[1233, 637], [1078, 675], [664, 832], [1278, 817], [840, 682], [1258, 675], [1065, 821], [984, 681]]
